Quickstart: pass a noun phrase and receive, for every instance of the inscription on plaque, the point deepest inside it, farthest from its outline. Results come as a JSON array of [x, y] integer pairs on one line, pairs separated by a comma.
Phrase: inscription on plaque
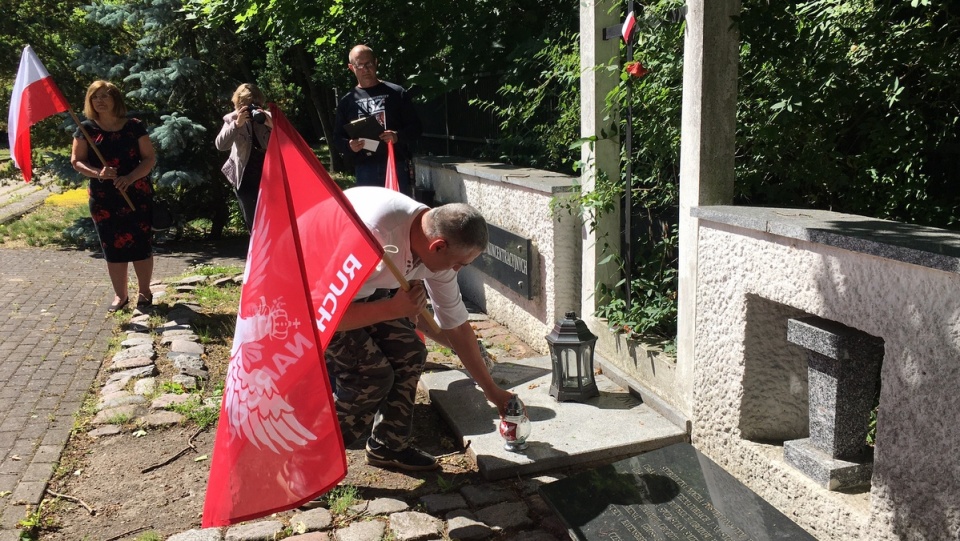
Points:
[[508, 260], [674, 493]]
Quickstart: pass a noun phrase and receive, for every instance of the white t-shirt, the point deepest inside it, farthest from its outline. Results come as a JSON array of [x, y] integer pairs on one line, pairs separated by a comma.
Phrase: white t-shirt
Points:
[[389, 215]]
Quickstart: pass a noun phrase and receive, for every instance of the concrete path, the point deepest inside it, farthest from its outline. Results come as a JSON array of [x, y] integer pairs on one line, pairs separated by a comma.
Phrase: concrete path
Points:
[[18, 197]]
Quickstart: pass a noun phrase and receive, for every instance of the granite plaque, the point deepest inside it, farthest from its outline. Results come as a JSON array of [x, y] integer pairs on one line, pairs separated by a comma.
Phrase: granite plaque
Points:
[[673, 493], [508, 260]]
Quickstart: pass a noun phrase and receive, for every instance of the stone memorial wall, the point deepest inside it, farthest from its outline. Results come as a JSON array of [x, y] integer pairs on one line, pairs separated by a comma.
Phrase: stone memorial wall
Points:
[[518, 202], [895, 285]]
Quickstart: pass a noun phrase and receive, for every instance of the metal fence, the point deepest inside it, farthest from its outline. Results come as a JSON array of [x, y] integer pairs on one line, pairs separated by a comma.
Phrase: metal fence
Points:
[[454, 127]]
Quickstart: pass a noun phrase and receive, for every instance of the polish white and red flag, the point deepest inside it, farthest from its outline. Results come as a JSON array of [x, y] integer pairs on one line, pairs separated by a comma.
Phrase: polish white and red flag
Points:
[[278, 443], [35, 97], [628, 25]]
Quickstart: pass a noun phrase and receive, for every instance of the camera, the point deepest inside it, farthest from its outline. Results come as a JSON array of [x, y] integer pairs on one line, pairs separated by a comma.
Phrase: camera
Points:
[[256, 113]]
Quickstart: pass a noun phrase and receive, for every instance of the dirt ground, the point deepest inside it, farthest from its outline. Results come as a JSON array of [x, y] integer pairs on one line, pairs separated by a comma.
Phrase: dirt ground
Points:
[[105, 474]]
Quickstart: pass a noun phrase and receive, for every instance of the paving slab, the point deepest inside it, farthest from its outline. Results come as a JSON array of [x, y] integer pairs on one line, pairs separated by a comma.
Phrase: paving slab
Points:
[[611, 426], [19, 199]]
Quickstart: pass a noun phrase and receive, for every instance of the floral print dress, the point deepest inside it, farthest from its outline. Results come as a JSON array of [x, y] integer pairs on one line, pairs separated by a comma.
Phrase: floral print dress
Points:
[[125, 233]]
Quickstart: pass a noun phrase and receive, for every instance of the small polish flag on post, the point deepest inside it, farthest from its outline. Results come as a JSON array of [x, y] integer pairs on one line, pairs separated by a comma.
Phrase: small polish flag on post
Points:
[[35, 97], [628, 25]]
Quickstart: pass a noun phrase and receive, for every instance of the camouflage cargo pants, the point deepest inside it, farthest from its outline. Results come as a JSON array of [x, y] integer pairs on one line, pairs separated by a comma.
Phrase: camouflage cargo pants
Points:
[[376, 370]]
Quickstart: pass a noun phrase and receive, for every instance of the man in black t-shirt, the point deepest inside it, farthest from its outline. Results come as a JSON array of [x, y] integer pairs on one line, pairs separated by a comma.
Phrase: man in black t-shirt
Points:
[[390, 104]]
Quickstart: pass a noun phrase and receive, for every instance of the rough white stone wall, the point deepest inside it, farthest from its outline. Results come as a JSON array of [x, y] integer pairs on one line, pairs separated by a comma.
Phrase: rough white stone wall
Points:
[[518, 200], [745, 275]]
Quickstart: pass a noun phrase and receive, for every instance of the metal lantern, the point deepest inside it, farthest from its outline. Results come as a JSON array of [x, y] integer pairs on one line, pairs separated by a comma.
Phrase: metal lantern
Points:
[[571, 349]]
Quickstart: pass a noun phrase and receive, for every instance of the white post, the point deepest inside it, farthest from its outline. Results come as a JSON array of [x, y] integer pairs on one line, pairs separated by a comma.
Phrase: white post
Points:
[[707, 146], [601, 157]]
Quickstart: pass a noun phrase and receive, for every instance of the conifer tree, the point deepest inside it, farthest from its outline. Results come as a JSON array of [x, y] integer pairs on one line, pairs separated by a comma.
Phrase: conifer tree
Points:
[[177, 78]]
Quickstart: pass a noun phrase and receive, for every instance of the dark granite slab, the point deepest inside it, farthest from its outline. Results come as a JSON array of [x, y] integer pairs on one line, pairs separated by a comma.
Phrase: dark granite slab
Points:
[[673, 493]]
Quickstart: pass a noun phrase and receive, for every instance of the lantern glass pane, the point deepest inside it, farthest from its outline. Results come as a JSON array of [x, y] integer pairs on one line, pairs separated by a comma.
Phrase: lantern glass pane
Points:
[[586, 368], [571, 369]]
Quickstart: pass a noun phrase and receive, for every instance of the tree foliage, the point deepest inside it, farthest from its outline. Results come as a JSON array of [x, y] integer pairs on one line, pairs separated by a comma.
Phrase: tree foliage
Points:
[[435, 44], [654, 97], [846, 105], [177, 78], [851, 106], [431, 46], [29, 22], [538, 104]]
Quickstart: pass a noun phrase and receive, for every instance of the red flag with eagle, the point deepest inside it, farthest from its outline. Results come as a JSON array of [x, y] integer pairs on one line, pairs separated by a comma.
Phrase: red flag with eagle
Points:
[[278, 443], [35, 97]]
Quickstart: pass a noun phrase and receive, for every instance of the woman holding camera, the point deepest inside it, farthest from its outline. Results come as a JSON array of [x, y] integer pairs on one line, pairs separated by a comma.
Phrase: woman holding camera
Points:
[[245, 133]]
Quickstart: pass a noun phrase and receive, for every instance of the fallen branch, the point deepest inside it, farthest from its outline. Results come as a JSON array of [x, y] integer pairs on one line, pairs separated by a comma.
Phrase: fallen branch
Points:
[[176, 456], [131, 532], [72, 499]]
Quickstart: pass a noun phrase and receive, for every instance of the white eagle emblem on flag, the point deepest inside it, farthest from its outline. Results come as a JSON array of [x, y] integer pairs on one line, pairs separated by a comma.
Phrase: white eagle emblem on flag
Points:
[[255, 409]]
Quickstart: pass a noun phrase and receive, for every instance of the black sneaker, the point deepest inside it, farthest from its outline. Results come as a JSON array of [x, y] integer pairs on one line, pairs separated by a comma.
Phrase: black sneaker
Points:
[[410, 459]]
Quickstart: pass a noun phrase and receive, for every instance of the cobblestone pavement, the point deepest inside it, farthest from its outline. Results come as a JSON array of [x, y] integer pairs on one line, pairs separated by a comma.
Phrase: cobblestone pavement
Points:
[[54, 334]]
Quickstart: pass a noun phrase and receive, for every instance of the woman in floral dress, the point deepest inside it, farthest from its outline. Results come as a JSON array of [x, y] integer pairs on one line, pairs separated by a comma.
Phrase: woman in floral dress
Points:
[[125, 233]]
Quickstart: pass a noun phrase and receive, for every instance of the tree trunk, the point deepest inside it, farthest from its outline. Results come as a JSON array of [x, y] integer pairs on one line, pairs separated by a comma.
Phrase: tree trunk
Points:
[[322, 109]]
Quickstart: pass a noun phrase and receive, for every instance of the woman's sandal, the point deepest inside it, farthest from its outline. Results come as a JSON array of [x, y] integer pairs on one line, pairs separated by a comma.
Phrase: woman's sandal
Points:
[[117, 306], [144, 302]]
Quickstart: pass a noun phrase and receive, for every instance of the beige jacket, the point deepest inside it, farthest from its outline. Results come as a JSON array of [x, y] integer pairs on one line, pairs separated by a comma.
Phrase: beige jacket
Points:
[[239, 141]]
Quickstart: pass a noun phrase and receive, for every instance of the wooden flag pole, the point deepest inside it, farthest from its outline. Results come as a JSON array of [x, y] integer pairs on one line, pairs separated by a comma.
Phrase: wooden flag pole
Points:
[[404, 285], [96, 151]]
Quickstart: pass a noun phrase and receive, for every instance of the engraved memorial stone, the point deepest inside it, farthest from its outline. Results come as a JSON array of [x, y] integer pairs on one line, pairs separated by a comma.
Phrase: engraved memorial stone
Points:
[[673, 493], [508, 259]]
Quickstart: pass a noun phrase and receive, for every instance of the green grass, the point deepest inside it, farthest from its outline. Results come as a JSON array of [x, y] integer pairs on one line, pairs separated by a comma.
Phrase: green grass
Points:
[[210, 270], [120, 419], [342, 498], [217, 297], [37, 519], [445, 484], [443, 350], [216, 327], [196, 411], [42, 227], [169, 387]]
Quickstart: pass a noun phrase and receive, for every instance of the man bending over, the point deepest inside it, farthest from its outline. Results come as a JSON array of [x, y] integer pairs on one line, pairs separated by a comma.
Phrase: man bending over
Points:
[[376, 357]]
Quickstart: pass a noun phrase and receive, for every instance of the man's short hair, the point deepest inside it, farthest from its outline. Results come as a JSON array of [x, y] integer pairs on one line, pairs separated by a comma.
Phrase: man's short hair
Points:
[[461, 225], [357, 50]]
